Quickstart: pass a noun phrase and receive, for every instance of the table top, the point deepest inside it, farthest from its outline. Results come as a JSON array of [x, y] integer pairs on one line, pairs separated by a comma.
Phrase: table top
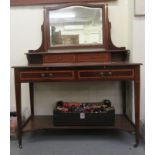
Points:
[[81, 64]]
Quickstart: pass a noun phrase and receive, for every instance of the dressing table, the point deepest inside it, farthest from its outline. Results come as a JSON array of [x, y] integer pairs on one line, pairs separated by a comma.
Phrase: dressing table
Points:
[[69, 52]]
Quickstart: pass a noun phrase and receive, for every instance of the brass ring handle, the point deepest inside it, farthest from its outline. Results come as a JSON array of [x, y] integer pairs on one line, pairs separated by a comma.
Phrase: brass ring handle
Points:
[[110, 73], [105, 74], [102, 74], [42, 75]]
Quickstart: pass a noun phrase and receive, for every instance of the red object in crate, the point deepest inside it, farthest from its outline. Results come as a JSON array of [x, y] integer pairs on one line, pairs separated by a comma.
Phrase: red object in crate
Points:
[[67, 104]]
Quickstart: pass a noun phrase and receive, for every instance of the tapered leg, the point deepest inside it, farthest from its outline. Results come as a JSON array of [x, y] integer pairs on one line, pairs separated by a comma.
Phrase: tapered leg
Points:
[[137, 103], [18, 108], [123, 84], [31, 88]]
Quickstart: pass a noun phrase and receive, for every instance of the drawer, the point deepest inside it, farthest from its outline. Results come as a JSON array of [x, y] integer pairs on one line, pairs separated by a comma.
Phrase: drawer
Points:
[[56, 58], [47, 75], [91, 57], [105, 74]]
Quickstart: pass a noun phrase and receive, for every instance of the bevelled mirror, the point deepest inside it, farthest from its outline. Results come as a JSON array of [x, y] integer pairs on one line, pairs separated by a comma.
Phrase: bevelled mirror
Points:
[[75, 26]]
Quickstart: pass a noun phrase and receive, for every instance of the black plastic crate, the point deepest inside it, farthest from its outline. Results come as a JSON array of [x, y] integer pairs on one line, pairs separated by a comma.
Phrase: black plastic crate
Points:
[[105, 117]]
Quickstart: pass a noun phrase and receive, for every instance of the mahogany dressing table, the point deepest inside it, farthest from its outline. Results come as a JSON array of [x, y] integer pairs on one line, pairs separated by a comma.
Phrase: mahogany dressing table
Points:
[[66, 58]]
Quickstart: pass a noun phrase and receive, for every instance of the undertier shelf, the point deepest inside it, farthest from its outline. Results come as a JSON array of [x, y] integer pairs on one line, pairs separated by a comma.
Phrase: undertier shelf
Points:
[[45, 122]]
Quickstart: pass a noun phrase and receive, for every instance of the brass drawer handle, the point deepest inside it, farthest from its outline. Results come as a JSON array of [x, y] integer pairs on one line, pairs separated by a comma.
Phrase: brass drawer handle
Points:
[[105, 74], [102, 74], [51, 74], [42, 75], [110, 73]]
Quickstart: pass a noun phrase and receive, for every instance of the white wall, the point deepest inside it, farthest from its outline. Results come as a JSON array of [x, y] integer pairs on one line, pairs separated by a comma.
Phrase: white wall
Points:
[[26, 34], [138, 55]]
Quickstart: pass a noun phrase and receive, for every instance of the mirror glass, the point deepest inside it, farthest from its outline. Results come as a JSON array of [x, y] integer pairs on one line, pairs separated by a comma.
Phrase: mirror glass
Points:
[[76, 25]]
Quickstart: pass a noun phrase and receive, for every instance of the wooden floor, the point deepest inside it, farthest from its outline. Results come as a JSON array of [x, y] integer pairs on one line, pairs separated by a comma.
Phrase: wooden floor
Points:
[[45, 122]]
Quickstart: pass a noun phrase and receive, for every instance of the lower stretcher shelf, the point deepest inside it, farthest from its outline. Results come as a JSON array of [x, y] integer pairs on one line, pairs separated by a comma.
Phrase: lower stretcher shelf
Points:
[[45, 122]]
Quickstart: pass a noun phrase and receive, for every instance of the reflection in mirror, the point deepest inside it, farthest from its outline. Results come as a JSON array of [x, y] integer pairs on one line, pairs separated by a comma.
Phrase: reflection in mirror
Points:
[[76, 25]]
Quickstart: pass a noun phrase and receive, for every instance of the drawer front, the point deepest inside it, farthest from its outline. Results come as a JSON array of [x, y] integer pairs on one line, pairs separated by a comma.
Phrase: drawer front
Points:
[[47, 75], [106, 74], [56, 58], [91, 57]]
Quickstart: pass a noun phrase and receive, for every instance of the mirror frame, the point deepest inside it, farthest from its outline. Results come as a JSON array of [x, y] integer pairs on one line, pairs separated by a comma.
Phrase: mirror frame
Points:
[[107, 42], [78, 45], [47, 29]]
